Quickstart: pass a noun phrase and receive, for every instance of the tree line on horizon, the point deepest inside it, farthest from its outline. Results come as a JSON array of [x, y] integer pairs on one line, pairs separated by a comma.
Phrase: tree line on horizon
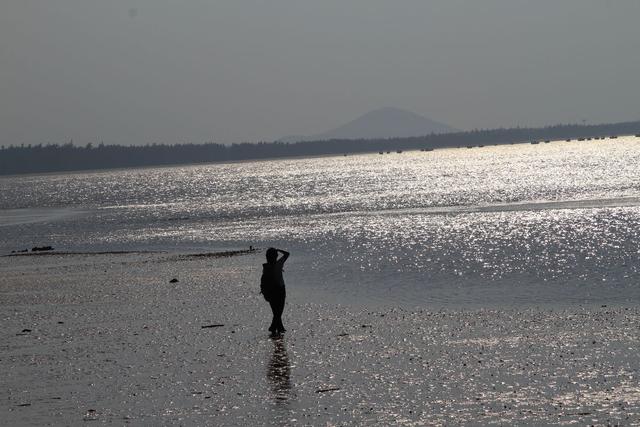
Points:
[[40, 158]]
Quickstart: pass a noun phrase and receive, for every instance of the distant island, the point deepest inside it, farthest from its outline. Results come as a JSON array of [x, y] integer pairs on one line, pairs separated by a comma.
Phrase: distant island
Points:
[[381, 123], [40, 158]]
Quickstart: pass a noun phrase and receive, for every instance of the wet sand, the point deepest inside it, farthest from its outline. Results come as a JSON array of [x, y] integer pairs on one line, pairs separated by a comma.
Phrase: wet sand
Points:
[[109, 338]]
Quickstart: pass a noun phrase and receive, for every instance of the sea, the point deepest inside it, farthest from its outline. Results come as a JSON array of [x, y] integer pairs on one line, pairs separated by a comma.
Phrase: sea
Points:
[[548, 224]]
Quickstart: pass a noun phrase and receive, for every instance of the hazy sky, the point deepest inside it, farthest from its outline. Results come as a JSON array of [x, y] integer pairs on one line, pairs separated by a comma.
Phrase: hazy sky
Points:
[[142, 71]]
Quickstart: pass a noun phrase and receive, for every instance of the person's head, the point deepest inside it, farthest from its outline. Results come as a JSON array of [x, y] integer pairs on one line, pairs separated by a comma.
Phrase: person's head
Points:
[[272, 255]]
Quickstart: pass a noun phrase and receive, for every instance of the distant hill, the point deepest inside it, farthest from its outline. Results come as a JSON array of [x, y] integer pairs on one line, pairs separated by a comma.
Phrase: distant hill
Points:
[[381, 123]]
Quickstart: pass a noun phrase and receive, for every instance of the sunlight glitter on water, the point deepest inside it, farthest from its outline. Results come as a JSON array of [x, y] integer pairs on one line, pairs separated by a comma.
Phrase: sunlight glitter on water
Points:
[[457, 222]]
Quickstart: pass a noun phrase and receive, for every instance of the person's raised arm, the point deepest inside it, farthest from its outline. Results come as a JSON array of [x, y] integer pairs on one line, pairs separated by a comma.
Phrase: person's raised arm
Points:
[[284, 256]]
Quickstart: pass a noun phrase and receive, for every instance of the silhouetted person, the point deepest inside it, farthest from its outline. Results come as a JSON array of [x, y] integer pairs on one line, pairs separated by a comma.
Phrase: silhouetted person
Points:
[[272, 287]]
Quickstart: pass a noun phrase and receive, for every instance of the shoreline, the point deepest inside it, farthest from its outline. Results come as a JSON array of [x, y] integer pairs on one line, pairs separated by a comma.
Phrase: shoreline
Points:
[[110, 339], [53, 252], [459, 140], [497, 296]]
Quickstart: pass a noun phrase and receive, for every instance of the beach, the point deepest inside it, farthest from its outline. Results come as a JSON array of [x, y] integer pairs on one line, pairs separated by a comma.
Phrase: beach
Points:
[[107, 338], [454, 187]]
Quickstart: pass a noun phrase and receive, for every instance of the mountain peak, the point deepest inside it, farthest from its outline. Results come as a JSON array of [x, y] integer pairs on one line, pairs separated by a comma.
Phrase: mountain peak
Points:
[[389, 110], [386, 122]]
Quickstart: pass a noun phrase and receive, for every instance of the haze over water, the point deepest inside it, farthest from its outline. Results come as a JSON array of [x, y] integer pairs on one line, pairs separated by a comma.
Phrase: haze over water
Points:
[[522, 224]]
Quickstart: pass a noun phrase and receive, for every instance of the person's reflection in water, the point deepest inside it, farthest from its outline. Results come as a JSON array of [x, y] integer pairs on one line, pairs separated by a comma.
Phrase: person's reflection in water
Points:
[[279, 371]]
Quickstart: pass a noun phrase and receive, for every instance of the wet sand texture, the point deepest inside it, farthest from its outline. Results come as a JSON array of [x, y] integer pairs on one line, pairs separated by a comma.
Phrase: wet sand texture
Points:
[[108, 338]]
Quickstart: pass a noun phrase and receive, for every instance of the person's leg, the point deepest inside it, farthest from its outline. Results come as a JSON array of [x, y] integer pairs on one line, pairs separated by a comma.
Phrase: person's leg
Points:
[[276, 314], [280, 307]]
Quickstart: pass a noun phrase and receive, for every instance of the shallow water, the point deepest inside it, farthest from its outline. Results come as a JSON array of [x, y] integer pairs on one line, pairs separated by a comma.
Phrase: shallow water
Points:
[[515, 224]]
